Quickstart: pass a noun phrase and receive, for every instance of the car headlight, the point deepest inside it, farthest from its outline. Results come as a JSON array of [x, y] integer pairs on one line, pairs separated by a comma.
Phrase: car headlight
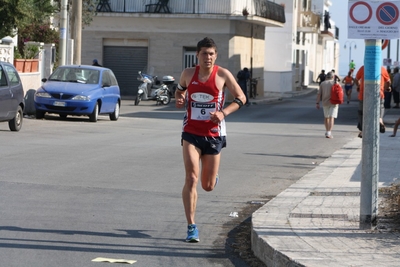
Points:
[[81, 97], [43, 94]]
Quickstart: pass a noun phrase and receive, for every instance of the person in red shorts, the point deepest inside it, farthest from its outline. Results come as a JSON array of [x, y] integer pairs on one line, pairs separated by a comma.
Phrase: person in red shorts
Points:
[[201, 90], [384, 85]]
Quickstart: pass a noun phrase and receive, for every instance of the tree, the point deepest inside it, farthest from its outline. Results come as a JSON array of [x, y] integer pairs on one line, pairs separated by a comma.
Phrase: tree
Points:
[[38, 32], [16, 14], [89, 10], [12, 15], [42, 10]]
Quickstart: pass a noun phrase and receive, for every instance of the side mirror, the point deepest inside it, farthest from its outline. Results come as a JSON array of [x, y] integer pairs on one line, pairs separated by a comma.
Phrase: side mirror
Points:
[[44, 80]]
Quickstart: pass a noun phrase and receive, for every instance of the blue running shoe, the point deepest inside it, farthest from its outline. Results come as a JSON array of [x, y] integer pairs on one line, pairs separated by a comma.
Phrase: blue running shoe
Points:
[[192, 233]]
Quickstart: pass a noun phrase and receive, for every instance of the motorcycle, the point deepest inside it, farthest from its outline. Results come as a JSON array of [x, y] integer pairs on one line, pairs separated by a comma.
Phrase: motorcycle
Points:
[[151, 89]]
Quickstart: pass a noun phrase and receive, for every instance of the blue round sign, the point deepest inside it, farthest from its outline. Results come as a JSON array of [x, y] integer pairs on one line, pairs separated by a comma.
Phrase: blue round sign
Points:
[[387, 13]]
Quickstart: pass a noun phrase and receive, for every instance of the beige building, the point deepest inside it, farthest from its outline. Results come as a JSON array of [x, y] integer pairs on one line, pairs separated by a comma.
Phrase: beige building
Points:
[[128, 36]]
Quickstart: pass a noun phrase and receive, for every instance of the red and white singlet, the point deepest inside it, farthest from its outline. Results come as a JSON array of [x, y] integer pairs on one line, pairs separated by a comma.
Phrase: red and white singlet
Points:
[[201, 99]]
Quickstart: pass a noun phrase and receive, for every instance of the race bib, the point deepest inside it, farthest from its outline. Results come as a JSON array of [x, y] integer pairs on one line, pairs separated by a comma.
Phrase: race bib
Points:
[[201, 111]]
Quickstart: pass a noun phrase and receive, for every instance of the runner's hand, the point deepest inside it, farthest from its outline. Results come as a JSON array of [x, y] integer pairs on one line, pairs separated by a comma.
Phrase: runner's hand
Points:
[[216, 116], [180, 102]]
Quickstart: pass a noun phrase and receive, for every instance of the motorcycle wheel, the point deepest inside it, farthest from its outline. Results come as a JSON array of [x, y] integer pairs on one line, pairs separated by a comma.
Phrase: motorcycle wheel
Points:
[[137, 100], [167, 99]]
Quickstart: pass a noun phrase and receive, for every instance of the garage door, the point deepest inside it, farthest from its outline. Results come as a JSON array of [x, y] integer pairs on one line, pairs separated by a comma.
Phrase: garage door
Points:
[[125, 62]]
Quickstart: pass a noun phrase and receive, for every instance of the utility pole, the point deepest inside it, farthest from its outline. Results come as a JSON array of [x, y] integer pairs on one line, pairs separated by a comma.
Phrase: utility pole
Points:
[[77, 30], [370, 135], [63, 32]]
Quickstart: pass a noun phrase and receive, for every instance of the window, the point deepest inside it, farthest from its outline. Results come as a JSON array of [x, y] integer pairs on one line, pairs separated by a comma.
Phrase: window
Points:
[[3, 79], [106, 79], [189, 57], [112, 78], [12, 75]]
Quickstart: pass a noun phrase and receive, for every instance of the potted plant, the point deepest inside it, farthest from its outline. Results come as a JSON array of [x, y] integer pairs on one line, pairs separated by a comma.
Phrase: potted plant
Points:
[[19, 62], [31, 51]]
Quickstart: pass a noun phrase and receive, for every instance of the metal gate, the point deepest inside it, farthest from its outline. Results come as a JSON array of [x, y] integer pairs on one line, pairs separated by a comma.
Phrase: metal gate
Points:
[[125, 62]]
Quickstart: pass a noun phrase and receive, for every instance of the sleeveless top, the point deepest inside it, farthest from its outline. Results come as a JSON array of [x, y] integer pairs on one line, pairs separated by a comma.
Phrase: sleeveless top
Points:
[[201, 99], [348, 80]]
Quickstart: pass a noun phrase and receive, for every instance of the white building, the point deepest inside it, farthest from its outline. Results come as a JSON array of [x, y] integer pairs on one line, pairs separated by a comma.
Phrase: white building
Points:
[[296, 53]]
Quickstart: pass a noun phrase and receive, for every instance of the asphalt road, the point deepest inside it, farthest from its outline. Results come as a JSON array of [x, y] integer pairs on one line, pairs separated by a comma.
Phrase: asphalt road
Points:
[[72, 191]]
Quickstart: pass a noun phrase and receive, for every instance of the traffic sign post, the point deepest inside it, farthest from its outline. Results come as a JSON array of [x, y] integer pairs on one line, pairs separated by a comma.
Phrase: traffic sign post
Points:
[[370, 134], [371, 21]]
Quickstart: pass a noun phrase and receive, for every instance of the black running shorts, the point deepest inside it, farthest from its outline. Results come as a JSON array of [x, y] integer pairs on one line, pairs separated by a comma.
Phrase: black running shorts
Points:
[[207, 145]]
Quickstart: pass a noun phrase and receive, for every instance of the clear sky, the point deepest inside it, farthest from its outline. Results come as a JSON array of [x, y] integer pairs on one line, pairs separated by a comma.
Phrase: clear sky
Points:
[[339, 14]]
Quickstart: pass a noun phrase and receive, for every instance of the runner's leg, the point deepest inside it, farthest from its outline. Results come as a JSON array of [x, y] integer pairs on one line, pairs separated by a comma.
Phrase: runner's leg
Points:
[[209, 171], [191, 158]]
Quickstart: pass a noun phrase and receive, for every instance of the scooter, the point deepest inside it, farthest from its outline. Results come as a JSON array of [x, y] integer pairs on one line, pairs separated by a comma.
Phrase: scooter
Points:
[[151, 89]]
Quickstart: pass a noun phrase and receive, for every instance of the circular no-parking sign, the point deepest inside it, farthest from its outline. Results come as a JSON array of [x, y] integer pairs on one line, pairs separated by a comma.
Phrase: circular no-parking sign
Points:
[[387, 13], [361, 12]]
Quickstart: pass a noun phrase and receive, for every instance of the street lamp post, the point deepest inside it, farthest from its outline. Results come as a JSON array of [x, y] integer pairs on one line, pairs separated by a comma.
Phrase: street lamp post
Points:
[[350, 45]]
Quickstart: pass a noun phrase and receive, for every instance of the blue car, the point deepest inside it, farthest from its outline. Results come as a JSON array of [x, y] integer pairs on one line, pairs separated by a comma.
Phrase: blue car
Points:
[[79, 90], [11, 97]]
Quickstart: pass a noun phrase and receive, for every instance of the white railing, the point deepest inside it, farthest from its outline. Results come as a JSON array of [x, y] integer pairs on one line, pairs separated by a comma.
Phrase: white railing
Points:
[[262, 8], [7, 53]]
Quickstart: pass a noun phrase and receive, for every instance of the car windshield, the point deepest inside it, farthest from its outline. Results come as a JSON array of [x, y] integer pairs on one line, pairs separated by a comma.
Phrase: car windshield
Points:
[[77, 75]]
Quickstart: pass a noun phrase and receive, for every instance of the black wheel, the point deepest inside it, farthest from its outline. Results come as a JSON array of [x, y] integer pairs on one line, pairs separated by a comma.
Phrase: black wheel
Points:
[[16, 123], [64, 116], [115, 115], [167, 99], [137, 99], [95, 114], [40, 114]]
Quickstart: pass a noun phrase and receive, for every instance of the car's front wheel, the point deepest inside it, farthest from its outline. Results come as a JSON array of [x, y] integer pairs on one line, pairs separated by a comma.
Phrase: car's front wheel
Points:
[[95, 114], [115, 115], [16, 123]]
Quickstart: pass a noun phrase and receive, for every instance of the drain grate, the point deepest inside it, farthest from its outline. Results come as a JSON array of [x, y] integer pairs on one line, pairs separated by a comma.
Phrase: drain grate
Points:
[[316, 215], [322, 194]]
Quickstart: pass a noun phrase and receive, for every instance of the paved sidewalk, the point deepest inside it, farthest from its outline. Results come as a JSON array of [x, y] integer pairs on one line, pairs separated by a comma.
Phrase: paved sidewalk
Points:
[[315, 222]]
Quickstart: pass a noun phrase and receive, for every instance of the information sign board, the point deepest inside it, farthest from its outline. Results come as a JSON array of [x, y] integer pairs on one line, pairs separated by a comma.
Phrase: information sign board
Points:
[[374, 19]]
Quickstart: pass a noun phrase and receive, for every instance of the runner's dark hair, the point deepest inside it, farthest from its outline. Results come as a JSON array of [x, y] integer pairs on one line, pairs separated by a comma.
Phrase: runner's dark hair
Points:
[[206, 42]]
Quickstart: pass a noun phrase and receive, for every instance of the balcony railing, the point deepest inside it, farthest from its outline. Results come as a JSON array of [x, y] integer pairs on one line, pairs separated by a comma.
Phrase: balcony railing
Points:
[[261, 8], [332, 32], [309, 21]]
